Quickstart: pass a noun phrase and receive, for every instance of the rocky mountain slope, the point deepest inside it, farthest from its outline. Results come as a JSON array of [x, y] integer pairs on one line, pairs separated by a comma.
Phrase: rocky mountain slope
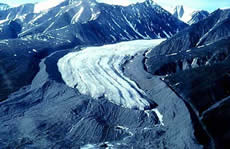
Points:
[[198, 72], [209, 30], [198, 16], [78, 20]]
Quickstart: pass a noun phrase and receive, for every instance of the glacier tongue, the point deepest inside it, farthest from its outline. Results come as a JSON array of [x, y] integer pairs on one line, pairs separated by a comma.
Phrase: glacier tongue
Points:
[[97, 72]]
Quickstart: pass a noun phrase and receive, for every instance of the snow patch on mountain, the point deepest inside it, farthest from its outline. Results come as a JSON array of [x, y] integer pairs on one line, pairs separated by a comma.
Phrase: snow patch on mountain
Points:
[[120, 2], [77, 15], [45, 5], [133, 28], [3, 21]]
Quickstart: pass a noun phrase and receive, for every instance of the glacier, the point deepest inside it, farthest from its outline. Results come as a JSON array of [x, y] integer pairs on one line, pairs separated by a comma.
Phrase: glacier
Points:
[[97, 72]]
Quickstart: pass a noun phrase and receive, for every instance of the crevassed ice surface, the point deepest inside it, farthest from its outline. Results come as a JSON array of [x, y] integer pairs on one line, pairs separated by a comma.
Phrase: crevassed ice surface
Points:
[[97, 72]]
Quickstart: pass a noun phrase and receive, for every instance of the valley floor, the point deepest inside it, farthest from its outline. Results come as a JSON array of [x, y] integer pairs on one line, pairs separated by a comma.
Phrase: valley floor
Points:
[[106, 99]]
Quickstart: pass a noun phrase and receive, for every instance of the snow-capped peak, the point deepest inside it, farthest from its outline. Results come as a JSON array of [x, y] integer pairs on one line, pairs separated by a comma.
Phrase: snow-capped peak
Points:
[[183, 13], [45, 5], [179, 11]]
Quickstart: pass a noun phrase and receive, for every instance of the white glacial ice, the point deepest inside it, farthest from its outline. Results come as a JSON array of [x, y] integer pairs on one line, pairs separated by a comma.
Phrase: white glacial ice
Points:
[[97, 72]]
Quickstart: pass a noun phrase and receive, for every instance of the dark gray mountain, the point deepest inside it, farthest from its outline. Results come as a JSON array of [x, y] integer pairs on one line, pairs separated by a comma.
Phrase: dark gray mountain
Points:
[[198, 72], [211, 29], [11, 20], [10, 30], [203, 83], [16, 12], [85, 21], [4, 6], [198, 16]]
